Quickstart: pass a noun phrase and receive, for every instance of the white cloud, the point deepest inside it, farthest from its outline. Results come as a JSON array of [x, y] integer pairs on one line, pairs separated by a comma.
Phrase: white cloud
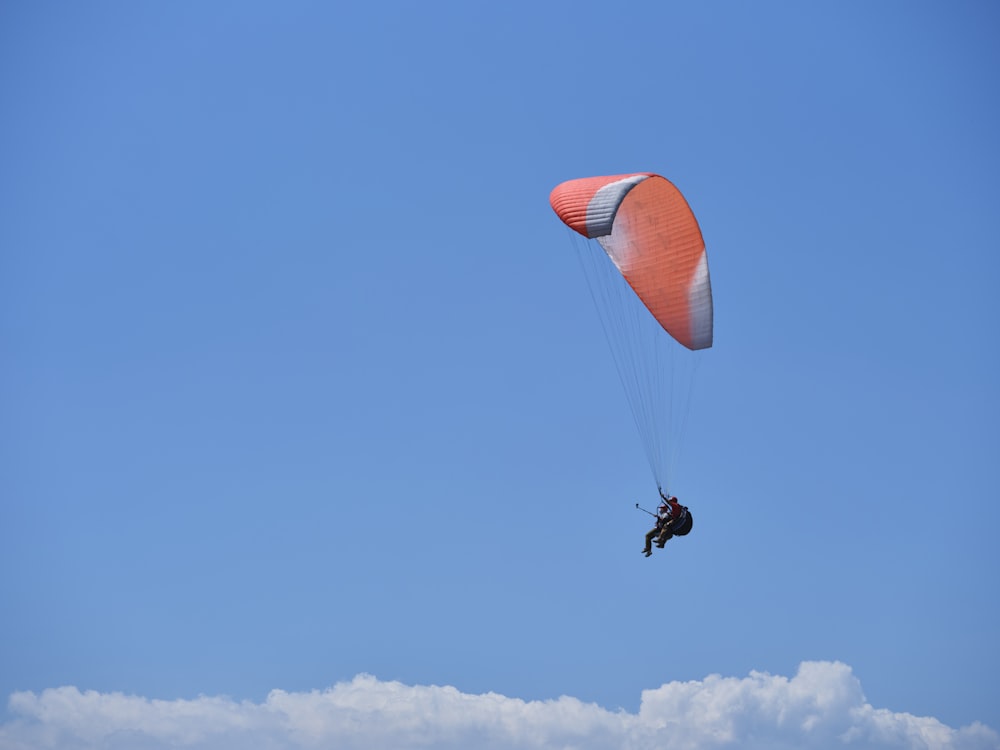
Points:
[[822, 706]]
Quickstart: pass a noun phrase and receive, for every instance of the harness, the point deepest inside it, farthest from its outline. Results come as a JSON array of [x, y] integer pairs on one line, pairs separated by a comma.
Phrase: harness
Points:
[[683, 523]]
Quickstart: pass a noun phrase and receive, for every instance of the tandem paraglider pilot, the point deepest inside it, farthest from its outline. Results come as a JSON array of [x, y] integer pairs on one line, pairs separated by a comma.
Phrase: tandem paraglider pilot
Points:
[[672, 519]]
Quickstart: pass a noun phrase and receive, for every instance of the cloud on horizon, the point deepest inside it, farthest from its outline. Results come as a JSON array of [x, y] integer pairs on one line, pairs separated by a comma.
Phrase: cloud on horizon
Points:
[[822, 706]]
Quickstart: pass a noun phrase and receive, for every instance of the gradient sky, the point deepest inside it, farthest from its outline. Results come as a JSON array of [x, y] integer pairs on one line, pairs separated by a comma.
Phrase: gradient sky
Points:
[[301, 382]]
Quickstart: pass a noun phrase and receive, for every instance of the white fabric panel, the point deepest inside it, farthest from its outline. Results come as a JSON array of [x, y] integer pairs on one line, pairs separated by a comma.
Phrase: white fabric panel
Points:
[[604, 205]]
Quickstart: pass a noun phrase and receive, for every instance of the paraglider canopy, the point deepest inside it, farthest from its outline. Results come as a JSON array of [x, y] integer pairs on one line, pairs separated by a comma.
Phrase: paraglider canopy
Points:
[[650, 233]]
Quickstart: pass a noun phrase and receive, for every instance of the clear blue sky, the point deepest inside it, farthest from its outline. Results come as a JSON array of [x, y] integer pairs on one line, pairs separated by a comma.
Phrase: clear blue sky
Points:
[[300, 380]]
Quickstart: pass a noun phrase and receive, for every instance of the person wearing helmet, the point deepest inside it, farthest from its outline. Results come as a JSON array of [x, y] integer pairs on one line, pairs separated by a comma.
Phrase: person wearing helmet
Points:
[[672, 519], [662, 520]]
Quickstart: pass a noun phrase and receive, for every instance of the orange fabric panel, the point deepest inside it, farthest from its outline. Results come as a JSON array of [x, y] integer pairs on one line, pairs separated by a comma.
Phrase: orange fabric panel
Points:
[[571, 199], [657, 245]]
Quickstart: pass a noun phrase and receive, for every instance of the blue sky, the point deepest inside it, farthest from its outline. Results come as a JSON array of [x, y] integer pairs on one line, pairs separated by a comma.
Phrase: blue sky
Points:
[[302, 382]]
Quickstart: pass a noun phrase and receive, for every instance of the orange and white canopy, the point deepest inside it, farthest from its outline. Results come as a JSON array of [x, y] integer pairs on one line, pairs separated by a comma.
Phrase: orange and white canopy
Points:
[[648, 230]]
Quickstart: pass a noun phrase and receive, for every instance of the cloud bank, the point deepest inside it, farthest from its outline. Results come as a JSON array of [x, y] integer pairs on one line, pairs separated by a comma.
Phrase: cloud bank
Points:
[[822, 706]]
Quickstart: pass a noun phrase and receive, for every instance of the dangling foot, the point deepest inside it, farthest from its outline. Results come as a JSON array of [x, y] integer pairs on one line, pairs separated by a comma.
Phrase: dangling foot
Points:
[[647, 552]]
